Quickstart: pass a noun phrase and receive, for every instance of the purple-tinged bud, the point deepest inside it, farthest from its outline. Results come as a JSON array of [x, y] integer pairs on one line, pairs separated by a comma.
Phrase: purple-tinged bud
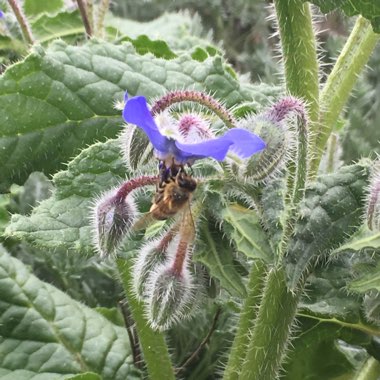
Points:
[[276, 128], [151, 256], [114, 214], [373, 200], [113, 218]]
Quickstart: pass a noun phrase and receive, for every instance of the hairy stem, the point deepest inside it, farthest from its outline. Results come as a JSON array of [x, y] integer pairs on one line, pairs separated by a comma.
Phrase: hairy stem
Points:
[[23, 22], [271, 333], [351, 61], [197, 97], [369, 371], [101, 13], [246, 321], [83, 12], [153, 345], [299, 52]]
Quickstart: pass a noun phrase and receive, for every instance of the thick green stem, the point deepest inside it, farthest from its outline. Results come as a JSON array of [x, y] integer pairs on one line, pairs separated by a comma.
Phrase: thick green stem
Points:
[[153, 345], [271, 333], [301, 77], [350, 63], [246, 321], [369, 371], [299, 52]]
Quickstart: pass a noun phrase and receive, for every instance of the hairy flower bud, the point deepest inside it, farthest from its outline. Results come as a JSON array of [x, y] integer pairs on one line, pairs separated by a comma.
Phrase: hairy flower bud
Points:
[[276, 128], [152, 255], [113, 217], [373, 200], [279, 141], [171, 297], [114, 214]]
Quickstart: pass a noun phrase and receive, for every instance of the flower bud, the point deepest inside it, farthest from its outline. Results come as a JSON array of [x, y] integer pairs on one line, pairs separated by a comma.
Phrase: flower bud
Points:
[[113, 217], [279, 141], [152, 255], [171, 297], [373, 200]]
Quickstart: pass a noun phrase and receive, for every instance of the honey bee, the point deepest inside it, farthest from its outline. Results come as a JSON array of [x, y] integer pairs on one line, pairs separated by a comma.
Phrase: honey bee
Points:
[[174, 191]]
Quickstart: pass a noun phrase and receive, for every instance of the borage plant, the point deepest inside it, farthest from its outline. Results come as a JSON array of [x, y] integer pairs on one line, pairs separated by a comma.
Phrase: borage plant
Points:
[[215, 214]]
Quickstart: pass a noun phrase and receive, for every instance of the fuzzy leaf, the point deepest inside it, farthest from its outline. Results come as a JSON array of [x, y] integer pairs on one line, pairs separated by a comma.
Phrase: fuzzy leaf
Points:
[[364, 238], [64, 219], [29, 375], [216, 254], [143, 44], [35, 7], [65, 25], [367, 8], [320, 353], [61, 99], [243, 227], [330, 213], [42, 330], [368, 279]]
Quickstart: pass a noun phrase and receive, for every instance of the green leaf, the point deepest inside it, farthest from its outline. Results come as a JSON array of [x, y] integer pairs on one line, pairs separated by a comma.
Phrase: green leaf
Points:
[[35, 7], [4, 214], [65, 25], [143, 44], [243, 227], [42, 330], [367, 280], [30, 375], [368, 9], [61, 99], [63, 221], [318, 354], [215, 252], [364, 238], [330, 213]]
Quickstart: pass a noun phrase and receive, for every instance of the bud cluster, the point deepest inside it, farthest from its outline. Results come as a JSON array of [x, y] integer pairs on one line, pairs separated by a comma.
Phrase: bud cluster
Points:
[[163, 281]]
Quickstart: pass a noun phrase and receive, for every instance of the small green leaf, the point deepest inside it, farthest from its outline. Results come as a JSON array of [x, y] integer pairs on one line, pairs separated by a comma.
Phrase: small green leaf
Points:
[[43, 330], [368, 9], [217, 255], [35, 7], [159, 48], [65, 25], [367, 280], [364, 238], [243, 227]]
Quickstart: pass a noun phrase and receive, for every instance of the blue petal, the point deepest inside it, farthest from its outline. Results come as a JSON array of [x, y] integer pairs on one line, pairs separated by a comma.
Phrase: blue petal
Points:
[[1, 13], [245, 143], [240, 141], [215, 148], [136, 112]]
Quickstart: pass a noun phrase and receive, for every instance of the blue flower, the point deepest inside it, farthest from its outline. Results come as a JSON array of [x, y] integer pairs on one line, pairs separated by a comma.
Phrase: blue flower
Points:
[[182, 147], [1, 14]]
